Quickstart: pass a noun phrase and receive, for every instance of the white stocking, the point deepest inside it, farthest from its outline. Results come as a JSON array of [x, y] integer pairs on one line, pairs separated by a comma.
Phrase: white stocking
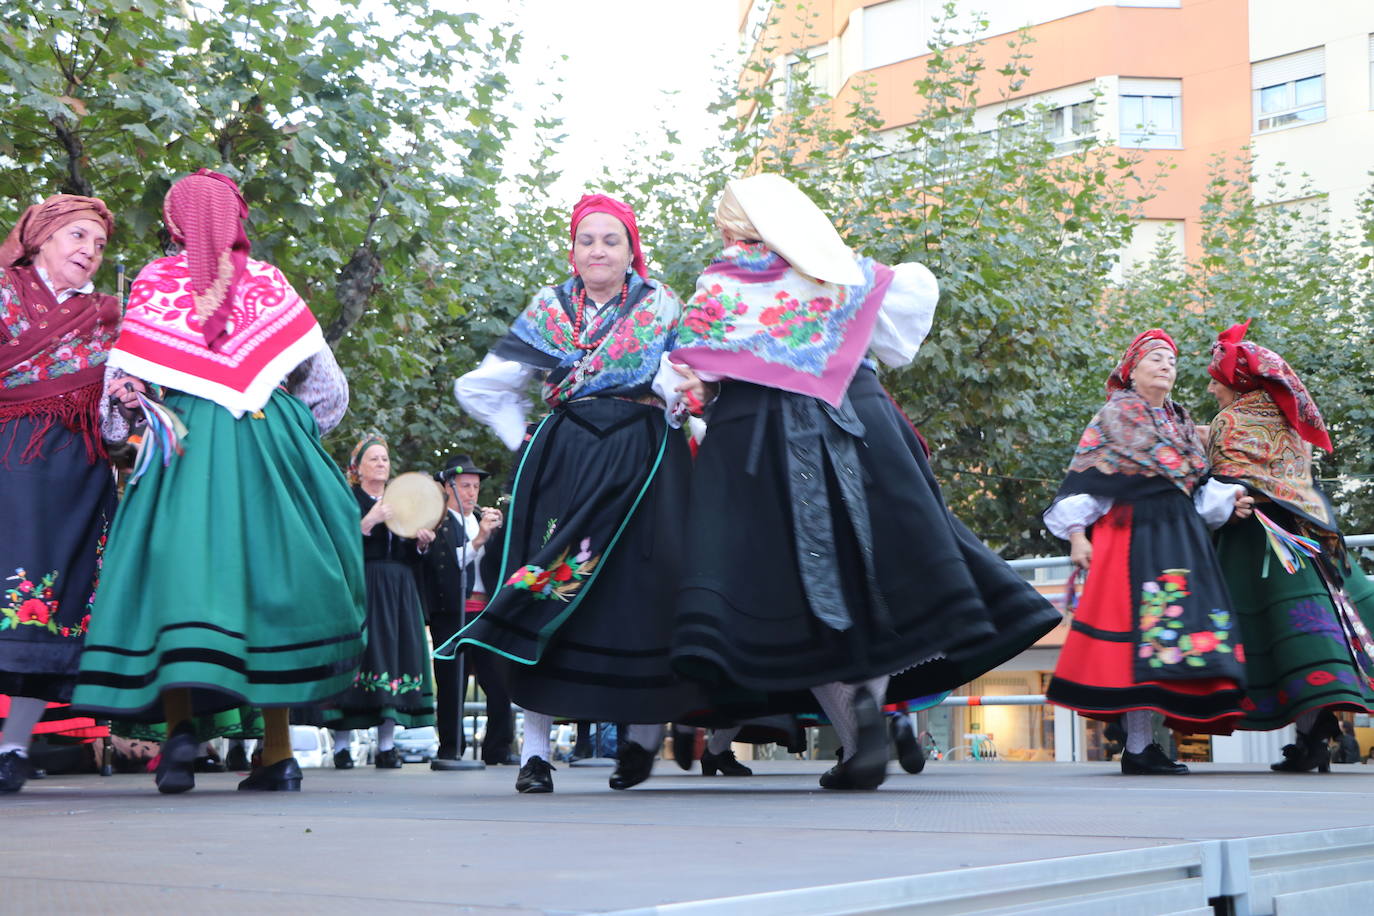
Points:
[[649, 737], [536, 743], [386, 735], [878, 687], [1139, 731], [718, 742], [837, 702], [24, 715], [342, 738]]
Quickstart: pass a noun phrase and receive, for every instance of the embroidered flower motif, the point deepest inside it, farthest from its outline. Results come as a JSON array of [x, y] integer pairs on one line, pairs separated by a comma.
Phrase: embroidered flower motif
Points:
[[373, 682], [1308, 616], [1160, 621], [1320, 678], [562, 579], [31, 604]]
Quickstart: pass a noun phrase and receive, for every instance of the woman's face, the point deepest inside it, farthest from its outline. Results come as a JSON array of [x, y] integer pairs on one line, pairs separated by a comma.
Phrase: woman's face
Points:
[[1155, 372], [1225, 395], [71, 256], [601, 251], [375, 466]]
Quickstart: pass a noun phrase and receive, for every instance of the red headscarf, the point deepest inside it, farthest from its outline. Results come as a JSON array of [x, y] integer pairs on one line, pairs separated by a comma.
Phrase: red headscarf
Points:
[[600, 203], [40, 221], [1153, 339], [205, 214], [1245, 366]]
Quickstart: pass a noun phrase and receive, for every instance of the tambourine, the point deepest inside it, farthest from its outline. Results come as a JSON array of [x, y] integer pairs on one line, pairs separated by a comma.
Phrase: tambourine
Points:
[[416, 501]]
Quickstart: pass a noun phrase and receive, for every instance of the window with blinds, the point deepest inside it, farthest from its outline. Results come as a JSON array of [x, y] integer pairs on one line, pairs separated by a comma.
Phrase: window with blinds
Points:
[[1289, 91], [1151, 113]]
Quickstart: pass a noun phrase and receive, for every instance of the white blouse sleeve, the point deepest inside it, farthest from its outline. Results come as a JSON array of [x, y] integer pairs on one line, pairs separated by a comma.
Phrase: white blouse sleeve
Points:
[[665, 383], [113, 426], [1215, 501], [1075, 513], [494, 393], [324, 389], [907, 312]]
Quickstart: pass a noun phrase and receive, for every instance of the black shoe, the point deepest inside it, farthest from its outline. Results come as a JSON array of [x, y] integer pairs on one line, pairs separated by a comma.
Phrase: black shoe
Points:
[[909, 753], [868, 767], [176, 771], [535, 777], [684, 746], [581, 751], [1309, 753], [1151, 762], [209, 764], [724, 763], [389, 759], [237, 759], [282, 776], [343, 759], [14, 770], [632, 767], [508, 759]]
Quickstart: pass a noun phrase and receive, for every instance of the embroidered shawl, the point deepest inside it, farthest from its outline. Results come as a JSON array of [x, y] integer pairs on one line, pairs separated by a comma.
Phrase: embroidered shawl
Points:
[[52, 357], [755, 319], [1128, 443], [628, 340], [1253, 443], [269, 331]]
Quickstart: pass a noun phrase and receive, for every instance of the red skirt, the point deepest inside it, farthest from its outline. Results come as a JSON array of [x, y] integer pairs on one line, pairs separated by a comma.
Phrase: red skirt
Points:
[[58, 720], [1097, 672]]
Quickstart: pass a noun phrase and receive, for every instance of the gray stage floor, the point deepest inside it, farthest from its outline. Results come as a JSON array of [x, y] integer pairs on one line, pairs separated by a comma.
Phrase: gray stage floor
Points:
[[419, 841]]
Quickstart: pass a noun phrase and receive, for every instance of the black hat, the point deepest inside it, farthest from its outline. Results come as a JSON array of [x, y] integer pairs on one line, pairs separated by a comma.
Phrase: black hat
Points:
[[460, 464]]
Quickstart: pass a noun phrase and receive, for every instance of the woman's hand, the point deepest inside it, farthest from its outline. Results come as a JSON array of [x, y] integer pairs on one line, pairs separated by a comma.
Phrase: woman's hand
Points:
[[1245, 505], [694, 391], [1080, 550], [126, 389], [379, 513]]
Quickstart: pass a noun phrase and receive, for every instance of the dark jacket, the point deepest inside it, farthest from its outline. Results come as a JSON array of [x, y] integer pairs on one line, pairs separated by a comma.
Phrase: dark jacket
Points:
[[444, 586]]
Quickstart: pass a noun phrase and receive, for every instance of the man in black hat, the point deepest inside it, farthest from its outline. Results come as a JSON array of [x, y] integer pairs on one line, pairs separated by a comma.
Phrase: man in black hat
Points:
[[452, 586]]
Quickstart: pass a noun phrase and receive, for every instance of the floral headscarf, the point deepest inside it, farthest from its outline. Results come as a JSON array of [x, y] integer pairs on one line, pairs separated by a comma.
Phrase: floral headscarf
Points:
[[1245, 366], [355, 457], [205, 212], [1153, 339]]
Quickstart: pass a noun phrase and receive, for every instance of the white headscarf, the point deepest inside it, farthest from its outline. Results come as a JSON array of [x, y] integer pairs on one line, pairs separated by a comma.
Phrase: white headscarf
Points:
[[787, 221]]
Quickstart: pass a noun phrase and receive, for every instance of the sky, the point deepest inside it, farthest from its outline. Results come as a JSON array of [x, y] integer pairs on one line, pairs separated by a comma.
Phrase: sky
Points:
[[630, 65]]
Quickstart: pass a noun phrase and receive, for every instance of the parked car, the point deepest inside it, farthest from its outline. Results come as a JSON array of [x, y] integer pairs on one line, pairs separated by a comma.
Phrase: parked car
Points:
[[417, 745], [311, 746]]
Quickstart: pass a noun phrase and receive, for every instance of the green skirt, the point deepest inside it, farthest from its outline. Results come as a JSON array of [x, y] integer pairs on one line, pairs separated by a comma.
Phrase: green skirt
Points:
[[235, 571], [239, 722], [1296, 653]]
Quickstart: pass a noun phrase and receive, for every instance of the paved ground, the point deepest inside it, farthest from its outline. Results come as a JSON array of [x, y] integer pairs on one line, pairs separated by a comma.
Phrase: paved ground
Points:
[[378, 841]]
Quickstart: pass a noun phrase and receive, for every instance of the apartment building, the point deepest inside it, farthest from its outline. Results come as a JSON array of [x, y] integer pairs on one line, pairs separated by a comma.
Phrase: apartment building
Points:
[[1179, 81]]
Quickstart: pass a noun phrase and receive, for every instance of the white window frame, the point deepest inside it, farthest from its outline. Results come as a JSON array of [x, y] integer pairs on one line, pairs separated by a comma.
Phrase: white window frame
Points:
[[1144, 133], [1289, 75], [817, 61]]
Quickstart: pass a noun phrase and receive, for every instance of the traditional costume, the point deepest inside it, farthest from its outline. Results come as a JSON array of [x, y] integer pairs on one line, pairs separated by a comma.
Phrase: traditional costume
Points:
[[582, 609], [57, 491], [234, 570], [1154, 628], [1304, 608], [820, 553], [393, 685]]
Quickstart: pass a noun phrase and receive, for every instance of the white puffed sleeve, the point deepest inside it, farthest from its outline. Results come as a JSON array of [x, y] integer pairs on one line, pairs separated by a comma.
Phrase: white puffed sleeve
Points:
[[494, 393], [1215, 501], [324, 389], [907, 312], [1075, 513]]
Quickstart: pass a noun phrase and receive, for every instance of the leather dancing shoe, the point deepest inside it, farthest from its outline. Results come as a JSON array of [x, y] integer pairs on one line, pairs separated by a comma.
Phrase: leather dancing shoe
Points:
[[343, 759], [14, 771], [507, 759], [684, 743], [909, 752], [632, 767], [282, 776], [209, 763], [867, 768], [1151, 762], [237, 759], [389, 759], [176, 769], [1310, 752], [723, 763], [535, 777]]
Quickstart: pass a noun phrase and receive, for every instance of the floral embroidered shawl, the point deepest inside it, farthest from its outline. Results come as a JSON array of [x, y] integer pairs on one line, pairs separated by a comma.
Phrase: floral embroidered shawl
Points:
[[268, 332], [629, 338], [1129, 441], [1253, 443], [756, 319]]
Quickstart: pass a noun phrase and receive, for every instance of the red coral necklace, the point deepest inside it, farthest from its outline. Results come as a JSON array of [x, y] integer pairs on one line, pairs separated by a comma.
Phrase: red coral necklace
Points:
[[580, 314]]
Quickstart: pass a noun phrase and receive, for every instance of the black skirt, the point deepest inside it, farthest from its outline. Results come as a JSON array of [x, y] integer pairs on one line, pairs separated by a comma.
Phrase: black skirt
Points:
[[946, 608], [584, 610], [55, 511]]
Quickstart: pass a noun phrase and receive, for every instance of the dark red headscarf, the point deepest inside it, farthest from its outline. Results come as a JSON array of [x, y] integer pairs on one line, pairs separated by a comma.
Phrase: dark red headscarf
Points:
[[1153, 339], [40, 221], [1245, 366], [205, 214], [600, 203]]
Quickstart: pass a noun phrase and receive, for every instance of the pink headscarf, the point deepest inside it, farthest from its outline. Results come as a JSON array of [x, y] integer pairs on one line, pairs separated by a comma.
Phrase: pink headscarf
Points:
[[600, 203], [1245, 366], [205, 214], [1145, 341]]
